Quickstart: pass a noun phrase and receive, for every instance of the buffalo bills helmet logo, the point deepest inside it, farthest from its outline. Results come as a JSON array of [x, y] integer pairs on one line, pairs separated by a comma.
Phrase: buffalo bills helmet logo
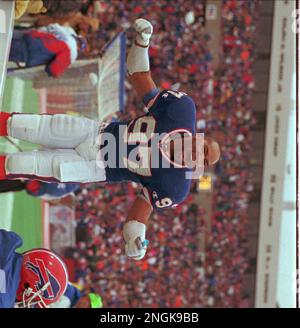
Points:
[[43, 276]]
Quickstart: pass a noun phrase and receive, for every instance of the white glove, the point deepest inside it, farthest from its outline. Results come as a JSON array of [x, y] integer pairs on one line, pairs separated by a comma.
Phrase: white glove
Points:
[[134, 233], [144, 31]]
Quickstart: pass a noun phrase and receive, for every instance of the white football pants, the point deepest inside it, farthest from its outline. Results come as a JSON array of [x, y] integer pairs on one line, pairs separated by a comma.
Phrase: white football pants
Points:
[[70, 148]]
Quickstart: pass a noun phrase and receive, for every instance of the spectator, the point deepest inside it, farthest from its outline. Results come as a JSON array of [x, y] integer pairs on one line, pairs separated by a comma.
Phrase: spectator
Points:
[[54, 45]]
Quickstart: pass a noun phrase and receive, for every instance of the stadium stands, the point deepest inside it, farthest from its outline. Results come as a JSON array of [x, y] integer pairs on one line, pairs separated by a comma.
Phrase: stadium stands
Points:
[[175, 273]]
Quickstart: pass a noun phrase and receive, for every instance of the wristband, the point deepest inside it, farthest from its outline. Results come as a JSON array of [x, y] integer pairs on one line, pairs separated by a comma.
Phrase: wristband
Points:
[[151, 94], [145, 243]]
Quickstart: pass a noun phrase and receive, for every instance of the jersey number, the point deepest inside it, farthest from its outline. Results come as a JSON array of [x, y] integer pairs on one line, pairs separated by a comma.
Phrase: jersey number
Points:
[[138, 160], [177, 94], [164, 202]]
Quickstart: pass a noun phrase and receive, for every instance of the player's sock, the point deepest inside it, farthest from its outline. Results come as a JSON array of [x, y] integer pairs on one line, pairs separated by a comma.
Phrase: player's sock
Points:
[[3, 123], [33, 186], [2, 168]]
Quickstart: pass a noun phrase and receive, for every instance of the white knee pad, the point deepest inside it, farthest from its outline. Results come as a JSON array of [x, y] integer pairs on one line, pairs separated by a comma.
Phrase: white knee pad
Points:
[[68, 127], [21, 163], [24, 126], [81, 171], [65, 165], [53, 131], [40, 163]]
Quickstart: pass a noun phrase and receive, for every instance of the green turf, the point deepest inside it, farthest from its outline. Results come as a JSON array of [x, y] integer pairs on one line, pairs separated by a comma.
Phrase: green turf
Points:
[[27, 220], [30, 104]]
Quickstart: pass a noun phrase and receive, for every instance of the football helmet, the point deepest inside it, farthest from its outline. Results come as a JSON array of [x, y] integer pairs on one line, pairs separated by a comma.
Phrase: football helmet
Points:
[[43, 279]]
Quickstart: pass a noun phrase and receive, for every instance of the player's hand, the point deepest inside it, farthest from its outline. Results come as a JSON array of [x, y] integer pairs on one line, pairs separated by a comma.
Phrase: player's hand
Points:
[[144, 31], [134, 233]]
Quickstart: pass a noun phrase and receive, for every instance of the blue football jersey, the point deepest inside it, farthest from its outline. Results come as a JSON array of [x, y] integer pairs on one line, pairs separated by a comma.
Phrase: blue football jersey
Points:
[[73, 294], [164, 184], [53, 190], [10, 267]]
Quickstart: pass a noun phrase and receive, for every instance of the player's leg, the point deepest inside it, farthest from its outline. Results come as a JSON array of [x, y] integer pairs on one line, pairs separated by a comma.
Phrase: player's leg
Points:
[[52, 131], [18, 50], [60, 165], [11, 185]]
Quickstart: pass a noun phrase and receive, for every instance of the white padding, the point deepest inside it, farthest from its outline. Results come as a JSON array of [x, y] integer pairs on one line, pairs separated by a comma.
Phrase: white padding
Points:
[[64, 165], [52, 131], [24, 127], [24, 163], [86, 171]]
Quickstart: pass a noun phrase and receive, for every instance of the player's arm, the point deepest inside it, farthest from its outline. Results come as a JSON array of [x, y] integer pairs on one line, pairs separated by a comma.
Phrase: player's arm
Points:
[[138, 65], [134, 230]]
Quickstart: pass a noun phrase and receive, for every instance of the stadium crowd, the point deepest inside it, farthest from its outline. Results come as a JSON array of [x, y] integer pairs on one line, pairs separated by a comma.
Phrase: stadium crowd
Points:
[[175, 271]]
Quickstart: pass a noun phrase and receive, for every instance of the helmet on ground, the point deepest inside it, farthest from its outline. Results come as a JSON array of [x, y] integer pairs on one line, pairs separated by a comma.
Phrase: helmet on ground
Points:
[[43, 278]]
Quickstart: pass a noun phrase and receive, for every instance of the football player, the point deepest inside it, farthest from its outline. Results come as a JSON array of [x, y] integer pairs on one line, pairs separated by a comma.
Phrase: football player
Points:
[[124, 150], [36, 278], [45, 190]]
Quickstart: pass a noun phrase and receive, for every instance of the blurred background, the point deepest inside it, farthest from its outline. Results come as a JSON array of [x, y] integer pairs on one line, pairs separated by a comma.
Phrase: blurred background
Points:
[[232, 243]]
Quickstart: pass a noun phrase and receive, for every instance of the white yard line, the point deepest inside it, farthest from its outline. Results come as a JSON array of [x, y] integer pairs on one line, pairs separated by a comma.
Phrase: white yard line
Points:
[[7, 205], [6, 31], [16, 103], [17, 97]]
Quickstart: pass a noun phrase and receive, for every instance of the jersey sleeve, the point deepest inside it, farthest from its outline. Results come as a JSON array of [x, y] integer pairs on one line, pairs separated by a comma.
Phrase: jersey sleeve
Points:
[[158, 199], [183, 110], [73, 294], [178, 106], [171, 190]]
